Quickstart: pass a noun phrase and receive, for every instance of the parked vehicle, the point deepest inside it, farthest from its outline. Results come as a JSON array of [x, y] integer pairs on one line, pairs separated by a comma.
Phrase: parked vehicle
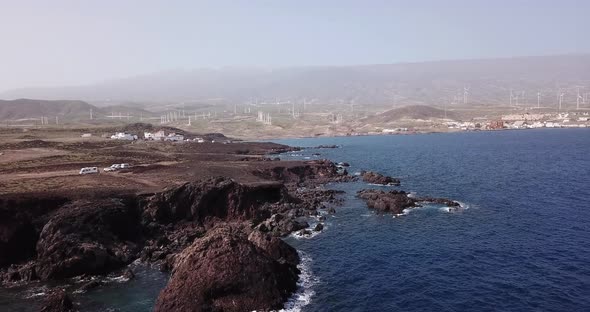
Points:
[[88, 170], [115, 167]]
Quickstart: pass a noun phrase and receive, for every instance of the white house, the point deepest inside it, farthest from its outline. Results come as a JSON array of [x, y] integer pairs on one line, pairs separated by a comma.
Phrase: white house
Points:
[[123, 136], [156, 136], [174, 137]]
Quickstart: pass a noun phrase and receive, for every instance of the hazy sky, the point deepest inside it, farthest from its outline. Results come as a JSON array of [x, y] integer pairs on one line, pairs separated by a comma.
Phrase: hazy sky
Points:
[[60, 42]]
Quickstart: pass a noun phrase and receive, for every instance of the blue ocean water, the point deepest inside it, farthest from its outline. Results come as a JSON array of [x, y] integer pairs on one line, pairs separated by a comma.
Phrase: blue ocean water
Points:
[[522, 245]]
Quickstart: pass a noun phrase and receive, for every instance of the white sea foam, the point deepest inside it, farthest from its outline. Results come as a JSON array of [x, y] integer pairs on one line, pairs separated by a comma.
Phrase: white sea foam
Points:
[[36, 294], [384, 185], [313, 234], [463, 205], [118, 279], [305, 292]]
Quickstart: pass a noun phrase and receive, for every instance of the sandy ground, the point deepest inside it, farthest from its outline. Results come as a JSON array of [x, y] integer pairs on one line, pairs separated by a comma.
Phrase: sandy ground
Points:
[[46, 164]]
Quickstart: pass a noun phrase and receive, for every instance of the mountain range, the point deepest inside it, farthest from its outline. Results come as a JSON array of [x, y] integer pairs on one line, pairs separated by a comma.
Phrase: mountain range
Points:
[[474, 82]]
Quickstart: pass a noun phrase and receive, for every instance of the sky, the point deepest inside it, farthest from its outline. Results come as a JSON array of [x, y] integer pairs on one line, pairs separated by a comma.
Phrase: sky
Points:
[[76, 42]]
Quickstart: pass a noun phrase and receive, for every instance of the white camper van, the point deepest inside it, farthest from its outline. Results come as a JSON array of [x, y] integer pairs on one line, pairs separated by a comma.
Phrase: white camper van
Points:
[[88, 170]]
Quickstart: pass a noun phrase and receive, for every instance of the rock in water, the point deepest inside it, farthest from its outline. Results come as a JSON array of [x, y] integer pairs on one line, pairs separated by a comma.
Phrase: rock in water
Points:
[[377, 178], [58, 301], [396, 201], [392, 201], [224, 271]]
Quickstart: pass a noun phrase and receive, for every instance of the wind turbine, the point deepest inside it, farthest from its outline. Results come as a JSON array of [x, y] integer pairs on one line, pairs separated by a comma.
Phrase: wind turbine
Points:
[[578, 99], [561, 94], [538, 99], [465, 94]]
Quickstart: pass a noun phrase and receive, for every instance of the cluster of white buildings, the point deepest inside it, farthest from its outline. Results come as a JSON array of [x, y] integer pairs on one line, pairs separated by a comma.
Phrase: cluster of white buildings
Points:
[[520, 124], [561, 120], [525, 117], [161, 136], [394, 130], [123, 136], [468, 125]]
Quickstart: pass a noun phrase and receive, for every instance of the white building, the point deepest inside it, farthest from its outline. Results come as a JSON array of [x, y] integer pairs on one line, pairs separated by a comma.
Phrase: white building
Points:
[[156, 136], [123, 136], [174, 137]]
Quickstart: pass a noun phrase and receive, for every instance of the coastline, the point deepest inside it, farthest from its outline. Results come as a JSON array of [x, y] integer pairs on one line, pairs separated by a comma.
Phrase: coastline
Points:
[[290, 174], [278, 138], [105, 231]]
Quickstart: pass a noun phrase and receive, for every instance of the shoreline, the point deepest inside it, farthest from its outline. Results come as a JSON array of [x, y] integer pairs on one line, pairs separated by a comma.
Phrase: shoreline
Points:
[[270, 204], [295, 137]]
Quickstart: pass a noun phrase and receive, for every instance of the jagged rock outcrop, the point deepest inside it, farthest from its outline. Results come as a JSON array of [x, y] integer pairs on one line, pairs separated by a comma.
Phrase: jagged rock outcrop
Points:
[[224, 271], [377, 178], [318, 171], [440, 201], [396, 201], [387, 202], [21, 220], [57, 301], [216, 199], [281, 225], [88, 237], [275, 247]]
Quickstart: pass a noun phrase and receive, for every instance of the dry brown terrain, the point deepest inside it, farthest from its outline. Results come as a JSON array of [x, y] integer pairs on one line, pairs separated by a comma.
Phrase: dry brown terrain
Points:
[[50, 161]]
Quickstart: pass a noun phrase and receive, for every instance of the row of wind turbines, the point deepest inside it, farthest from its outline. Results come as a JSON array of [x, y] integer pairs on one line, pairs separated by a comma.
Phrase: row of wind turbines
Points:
[[519, 98]]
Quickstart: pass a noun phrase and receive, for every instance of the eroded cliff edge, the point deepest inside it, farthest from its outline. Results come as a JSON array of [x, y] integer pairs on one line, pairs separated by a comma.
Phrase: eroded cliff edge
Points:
[[220, 229]]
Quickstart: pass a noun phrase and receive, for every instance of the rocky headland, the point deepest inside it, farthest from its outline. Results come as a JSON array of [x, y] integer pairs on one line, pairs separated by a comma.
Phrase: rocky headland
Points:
[[212, 215], [219, 238]]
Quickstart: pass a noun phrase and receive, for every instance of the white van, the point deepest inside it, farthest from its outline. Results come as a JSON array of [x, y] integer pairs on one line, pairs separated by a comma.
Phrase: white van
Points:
[[88, 170]]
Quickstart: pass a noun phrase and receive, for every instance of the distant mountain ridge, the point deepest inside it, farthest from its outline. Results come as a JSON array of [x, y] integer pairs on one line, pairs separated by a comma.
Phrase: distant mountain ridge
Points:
[[74, 110], [28, 108], [487, 81]]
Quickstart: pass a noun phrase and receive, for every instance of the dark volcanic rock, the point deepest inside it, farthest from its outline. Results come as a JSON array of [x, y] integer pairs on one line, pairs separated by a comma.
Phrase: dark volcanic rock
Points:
[[91, 285], [281, 225], [216, 199], [58, 301], [327, 146], [396, 201], [275, 247], [224, 271], [441, 201], [86, 237], [318, 171], [21, 221], [319, 227], [377, 178], [392, 201]]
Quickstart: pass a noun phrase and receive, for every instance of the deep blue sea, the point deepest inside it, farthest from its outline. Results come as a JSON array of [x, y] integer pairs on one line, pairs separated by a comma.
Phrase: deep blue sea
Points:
[[521, 244]]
